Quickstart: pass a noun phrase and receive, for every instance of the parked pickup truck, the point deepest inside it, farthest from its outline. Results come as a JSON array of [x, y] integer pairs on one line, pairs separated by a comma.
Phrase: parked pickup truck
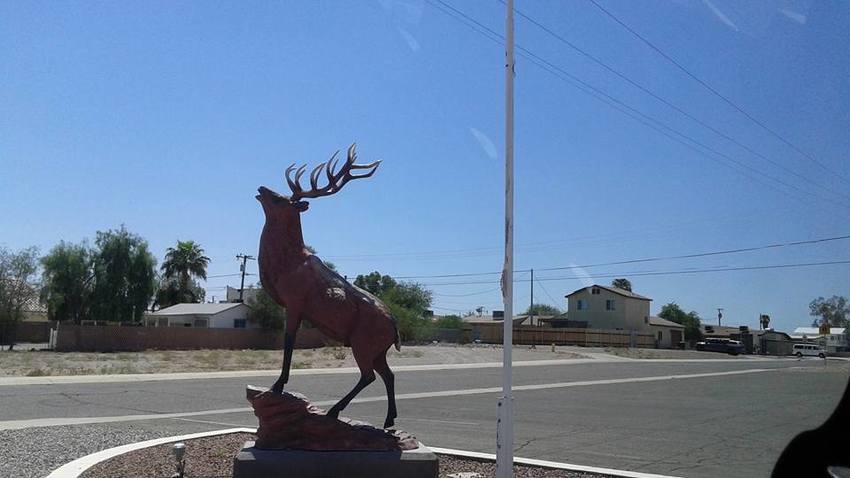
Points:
[[729, 346]]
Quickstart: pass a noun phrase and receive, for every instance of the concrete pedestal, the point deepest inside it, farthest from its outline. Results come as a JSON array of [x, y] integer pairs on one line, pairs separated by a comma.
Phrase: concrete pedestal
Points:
[[254, 463]]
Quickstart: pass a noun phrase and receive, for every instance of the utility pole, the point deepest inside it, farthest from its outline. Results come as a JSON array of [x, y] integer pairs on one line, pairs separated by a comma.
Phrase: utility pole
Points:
[[245, 258], [505, 424], [531, 307], [719, 315]]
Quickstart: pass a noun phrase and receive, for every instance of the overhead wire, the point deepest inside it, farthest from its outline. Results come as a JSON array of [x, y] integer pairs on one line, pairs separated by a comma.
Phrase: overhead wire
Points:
[[619, 105], [721, 252], [659, 273], [715, 92], [669, 103]]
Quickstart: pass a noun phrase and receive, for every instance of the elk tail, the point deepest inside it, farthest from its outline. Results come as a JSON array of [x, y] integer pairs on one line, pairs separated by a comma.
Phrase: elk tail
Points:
[[397, 336]]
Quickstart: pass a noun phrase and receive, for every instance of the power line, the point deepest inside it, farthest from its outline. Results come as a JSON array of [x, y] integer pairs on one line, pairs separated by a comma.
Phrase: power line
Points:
[[493, 289], [662, 273], [706, 254], [650, 259], [714, 91], [619, 105], [546, 291], [229, 275], [668, 103]]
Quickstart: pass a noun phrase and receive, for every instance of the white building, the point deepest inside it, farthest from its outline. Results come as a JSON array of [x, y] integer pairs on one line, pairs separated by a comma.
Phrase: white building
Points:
[[248, 294], [834, 341], [214, 316]]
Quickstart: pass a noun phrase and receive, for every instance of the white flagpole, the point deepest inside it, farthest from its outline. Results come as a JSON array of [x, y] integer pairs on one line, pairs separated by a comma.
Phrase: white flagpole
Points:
[[505, 427]]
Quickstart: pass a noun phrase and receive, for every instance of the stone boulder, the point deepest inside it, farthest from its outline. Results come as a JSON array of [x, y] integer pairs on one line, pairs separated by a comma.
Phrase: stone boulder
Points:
[[289, 422]]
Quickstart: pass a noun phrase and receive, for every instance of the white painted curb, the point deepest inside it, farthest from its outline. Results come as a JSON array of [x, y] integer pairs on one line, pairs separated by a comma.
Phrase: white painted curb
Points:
[[75, 468], [78, 466], [549, 464]]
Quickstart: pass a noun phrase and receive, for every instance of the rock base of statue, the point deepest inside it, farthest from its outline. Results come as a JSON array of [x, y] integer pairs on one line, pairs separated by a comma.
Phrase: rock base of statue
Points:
[[287, 421], [252, 462], [296, 439]]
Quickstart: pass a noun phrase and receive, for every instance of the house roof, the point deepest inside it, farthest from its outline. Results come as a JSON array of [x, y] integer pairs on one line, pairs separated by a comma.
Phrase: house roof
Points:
[[197, 309], [814, 331], [616, 290], [658, 321]]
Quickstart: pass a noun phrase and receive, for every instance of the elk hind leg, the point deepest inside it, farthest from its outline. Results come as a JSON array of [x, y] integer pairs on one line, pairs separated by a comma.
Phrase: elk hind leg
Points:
[[389, 381], [367, 376]]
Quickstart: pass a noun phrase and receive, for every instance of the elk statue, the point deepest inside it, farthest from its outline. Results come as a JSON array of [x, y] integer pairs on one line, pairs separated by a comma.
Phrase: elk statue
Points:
[[309, 290]]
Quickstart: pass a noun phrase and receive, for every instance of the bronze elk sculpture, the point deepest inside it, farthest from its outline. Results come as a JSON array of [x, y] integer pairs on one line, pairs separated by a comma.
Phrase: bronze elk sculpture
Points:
[[309, 290]]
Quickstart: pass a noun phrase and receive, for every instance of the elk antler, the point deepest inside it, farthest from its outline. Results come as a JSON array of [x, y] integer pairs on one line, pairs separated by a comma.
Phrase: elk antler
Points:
[[336, 180]]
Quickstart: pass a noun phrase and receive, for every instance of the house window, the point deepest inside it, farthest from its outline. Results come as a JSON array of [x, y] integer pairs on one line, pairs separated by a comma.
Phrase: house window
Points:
[[239, 323], [582, 305], [198, 323], [609, 304], [594, 291]]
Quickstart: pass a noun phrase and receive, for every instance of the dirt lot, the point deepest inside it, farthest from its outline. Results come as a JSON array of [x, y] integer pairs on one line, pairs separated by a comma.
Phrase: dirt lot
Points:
[[41, 363]]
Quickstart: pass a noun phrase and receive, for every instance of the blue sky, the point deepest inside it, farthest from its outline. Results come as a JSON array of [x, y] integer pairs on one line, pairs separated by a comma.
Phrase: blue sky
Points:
[[166, 116]]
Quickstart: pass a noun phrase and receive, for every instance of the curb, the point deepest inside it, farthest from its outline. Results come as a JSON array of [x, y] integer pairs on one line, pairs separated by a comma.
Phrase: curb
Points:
[[75, 468], [549, 464]]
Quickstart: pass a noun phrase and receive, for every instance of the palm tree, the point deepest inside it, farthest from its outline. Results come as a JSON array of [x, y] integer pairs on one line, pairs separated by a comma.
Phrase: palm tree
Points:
[[182, 264]]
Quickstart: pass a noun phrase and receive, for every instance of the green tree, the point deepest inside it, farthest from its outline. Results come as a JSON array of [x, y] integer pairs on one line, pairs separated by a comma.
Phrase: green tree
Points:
[[17, 274], [67, 280], [543, 309], [690, 320], [449, 322], [407, 302], [170, 292], [833, 311], [266, 312], [622, 284], [182, 265], [124, 277], [375, 283]]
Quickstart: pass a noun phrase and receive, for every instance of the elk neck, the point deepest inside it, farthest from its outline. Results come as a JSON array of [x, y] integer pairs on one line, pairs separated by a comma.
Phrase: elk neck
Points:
[[283, 243]]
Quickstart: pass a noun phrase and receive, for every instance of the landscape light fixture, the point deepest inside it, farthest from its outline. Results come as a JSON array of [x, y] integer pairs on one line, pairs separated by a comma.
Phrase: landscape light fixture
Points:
[[179, 450]]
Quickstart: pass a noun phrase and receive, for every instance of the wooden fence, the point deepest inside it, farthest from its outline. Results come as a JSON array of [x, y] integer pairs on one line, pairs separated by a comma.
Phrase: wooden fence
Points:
[[111, 338], [528, 335]]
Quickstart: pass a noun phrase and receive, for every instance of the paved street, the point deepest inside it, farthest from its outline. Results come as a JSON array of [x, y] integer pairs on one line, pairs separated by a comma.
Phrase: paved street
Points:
[[685, 418]]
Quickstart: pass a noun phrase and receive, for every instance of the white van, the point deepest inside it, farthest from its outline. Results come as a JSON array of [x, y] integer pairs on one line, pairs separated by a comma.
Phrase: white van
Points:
[[813, 350]]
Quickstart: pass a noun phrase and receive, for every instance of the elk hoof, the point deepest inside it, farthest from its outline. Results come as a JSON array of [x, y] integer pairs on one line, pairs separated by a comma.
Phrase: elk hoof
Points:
[[389, 423], [277, 388]]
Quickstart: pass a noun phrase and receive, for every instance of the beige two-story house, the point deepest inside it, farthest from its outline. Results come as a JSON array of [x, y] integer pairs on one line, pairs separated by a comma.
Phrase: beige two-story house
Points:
[[611, 308]]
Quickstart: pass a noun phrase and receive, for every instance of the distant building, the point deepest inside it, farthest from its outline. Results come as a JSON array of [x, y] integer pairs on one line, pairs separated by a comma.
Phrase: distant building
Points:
[[764, 342], [249, 294], [834, 341], [214, 316], [771, 342], [34, 310], [612, 308]]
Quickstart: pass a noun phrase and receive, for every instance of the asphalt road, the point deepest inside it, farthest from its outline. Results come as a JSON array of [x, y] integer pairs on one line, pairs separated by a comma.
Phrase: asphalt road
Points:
[[694, 419]]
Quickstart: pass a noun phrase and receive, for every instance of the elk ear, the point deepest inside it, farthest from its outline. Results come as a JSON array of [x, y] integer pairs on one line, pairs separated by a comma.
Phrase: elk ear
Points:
[[301, 206]]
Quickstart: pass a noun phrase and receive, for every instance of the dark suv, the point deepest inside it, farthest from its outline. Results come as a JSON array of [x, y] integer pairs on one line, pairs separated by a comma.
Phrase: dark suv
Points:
[[729, 346]]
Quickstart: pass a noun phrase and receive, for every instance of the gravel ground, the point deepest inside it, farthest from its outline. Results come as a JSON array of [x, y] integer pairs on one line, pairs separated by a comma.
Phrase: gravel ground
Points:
[[212, 458], [35, 452], [44, 363]]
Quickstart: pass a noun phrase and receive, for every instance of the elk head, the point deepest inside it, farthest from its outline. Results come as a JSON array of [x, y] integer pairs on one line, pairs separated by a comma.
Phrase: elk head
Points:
[[288, 207]]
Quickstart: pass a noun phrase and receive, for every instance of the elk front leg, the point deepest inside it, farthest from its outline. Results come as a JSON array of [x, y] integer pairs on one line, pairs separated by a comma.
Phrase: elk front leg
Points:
[[288, 344]]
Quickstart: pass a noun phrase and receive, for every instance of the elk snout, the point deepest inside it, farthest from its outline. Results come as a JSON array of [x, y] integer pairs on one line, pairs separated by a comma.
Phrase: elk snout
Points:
[[265, 193]]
